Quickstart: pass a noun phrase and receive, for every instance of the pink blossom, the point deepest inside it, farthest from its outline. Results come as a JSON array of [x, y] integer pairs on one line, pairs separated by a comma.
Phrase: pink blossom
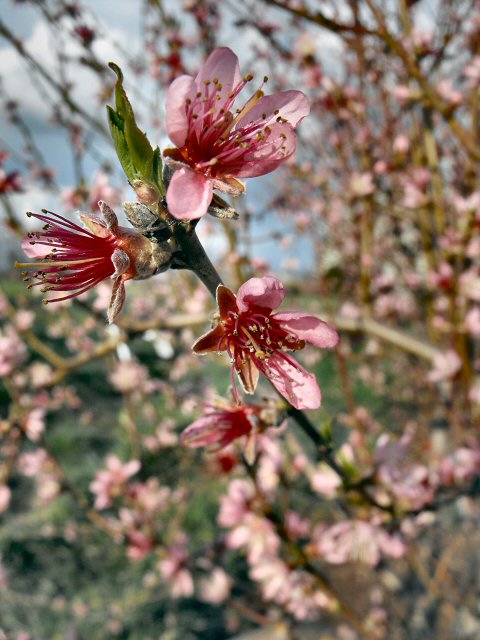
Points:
[[109, 482], [174, 571], [35, 424], [103, 190], [236, 504], [257, 340], [222, 423], [214, 147], [356, 540], [445, 366], [71, 259], [139, 545], [12, 351], [325, 481], [472, 322], [129, 375], [461, 465], [256, 535], [401, 144], [216, 588]]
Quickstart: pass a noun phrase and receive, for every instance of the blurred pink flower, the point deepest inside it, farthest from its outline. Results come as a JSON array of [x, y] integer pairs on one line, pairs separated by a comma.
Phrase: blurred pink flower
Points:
[[128, 376], [71, 259], [356, 540], [256, 340], [12, 351], [174, 571], [101, 189], [109, 483], [461, 465], [445, 366], [35, 424], [216, 588], [214, 146]]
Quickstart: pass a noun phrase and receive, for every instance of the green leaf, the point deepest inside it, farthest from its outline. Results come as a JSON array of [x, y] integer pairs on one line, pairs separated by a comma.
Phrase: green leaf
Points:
[[157, 170], [119, 140], [137, 157], [140, 149]]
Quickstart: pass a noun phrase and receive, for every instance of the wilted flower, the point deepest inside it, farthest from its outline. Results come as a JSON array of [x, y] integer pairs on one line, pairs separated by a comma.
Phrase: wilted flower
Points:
[[73, 259], [257, 340], [215, 146]]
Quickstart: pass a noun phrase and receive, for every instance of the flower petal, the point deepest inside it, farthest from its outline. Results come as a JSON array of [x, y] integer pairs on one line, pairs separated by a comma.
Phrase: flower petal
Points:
[[221, 65], [177, 121], [202, 432], [267, 293], [248, 374], [188, 194], [33, 249], [209, 341], [309, 328], [291, 106], [278, 147], [296, 385], [226, 301]]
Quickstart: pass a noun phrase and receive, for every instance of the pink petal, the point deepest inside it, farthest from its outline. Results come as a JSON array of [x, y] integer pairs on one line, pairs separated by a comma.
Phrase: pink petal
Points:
[[309, 328], [188, 194], [177, 122], [222, 65], [209, 341], [267, 293], [34, 250], [281, 144], [248, 374], [202, 432], [226, 301], [292, 106], [296, 385]]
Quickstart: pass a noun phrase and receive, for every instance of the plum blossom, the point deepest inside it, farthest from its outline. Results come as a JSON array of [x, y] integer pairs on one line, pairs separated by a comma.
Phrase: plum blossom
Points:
[[257, 340], [72, 259], [215, 147]]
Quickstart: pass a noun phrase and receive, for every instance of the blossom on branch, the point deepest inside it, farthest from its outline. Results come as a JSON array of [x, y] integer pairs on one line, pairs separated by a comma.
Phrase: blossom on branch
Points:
[[222, 424], [72, 259], [215, 147], [257, 340]]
